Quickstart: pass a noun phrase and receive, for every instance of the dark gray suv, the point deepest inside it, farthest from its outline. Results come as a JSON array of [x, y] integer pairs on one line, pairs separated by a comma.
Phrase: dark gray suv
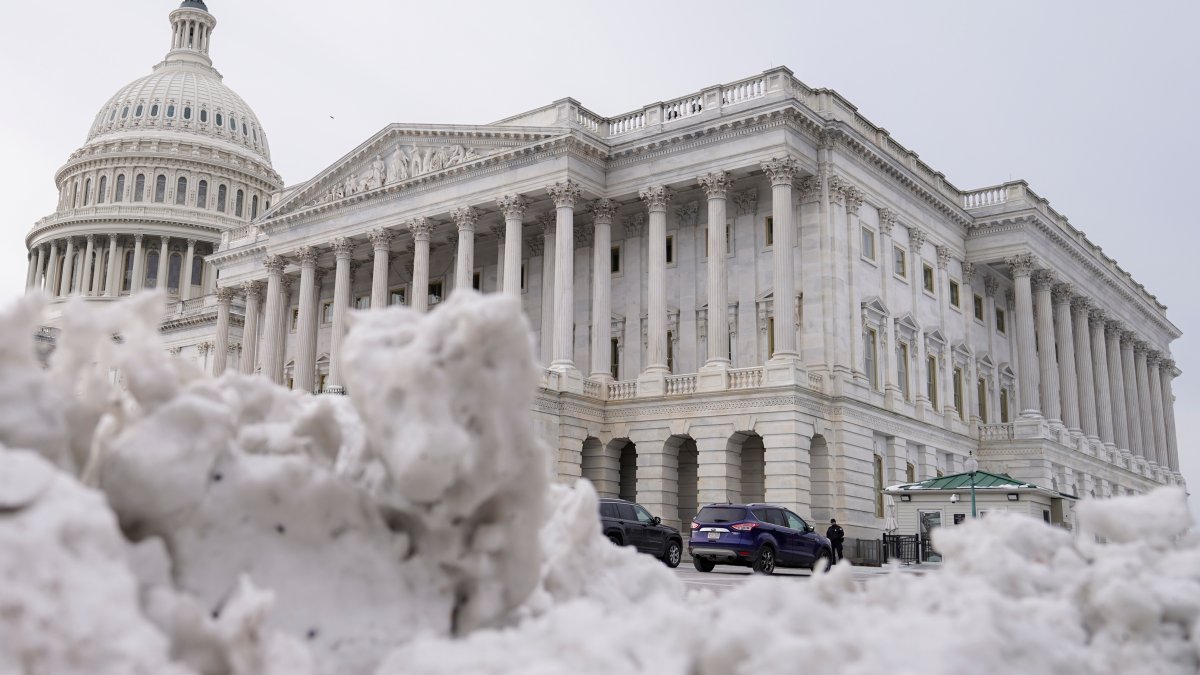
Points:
[[629, 524]]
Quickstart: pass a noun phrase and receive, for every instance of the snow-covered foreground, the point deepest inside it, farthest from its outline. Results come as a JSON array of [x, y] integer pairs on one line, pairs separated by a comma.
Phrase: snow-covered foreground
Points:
[[184, 524]]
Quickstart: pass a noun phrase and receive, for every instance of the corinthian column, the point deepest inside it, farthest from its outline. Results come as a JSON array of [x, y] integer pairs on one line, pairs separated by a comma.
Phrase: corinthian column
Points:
[[421, 230], [602, 215], [221, 357], [38, 281], [1048, 370], [97, 281], [68, 268], [1116, 385], [1100, 372], [139, 270], [716, 185], [1168, 373], [1145, 410], [1133, 408], [85, 275], [464, 267], [112, 284], [546, 329], [656, 198], [1083, 369], [1064, 336], [513, 208], [1157, 415], [306, 357], [564, 193], [342, 249], [185, 274], [253, 291], [1022, 269], [161, 280], [31, 274], [52, 270], [782, 171], [381, 242], [270, 344]]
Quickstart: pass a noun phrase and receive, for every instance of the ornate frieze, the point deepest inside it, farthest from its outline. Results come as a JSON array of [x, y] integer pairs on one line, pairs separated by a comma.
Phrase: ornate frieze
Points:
[[405, 162]]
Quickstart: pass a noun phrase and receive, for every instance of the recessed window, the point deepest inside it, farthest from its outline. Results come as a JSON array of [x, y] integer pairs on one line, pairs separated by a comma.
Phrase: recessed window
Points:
[[137, 112], [900, 262], [181, 191], [978, 307], [139, 188], [197, 270], [981, 398], [999, 320], [204, 115], [221, 192], [174, 265], [237, 204], [362, 302], [927, 278], [327, 312], [102, 190], [868, 243], [295, 318], [769, 231], [253, 207], [220, 120], [670, 249], [119, 192], [614, 358], [256, 135], [245, 130], [902, 370], [523, 277], [160, 189], [124, 112], [870, 339], [170, 111], [670, 352], [954, 293], [958, 394], [113, 115], [614, 260], [233, 124], [202, 195], [87, 192], [1004, 406], [187, 113], [931, 388], [154, 110], [770, 336]]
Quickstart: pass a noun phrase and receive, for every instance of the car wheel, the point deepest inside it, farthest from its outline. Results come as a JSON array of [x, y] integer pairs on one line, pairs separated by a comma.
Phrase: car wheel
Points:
[[703, 565], [616, 540], [764, 562], [673, 554], [822, 562]]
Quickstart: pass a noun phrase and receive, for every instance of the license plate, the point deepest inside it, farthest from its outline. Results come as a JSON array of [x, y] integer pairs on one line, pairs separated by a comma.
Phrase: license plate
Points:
[[712, 536]]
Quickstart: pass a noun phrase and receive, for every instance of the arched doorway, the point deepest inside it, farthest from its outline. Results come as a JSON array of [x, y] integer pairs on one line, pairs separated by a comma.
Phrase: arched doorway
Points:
[[751, 486], [688, 490], [821, 476]]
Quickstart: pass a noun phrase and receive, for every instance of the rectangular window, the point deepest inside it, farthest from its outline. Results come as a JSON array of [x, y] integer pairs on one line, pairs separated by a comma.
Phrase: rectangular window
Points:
[[999, 320], [900, 262], [931, 388], [902, 370], [615, 358], [769, 231], [614, 260], [477, 281], [295, 318], [869, 340], [878, 486], [981, 398], [954, 293], [523, 277], [978, 307], [927, 278], [362, 302], [398, 296], [868, 243], [670, 352], [435, 292], [327, 312], [1004, 406], [958, 394], [670, 249], [770, 336]]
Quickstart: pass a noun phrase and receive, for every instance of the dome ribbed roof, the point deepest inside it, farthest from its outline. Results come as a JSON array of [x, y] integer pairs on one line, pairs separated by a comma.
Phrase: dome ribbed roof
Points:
[[186, 98]]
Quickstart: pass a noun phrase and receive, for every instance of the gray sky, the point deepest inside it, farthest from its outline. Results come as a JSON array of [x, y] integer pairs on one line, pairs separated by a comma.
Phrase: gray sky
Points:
[[1092, 102]]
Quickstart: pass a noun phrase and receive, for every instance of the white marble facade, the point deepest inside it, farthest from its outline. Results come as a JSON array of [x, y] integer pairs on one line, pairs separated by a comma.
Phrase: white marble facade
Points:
[[918, 323]]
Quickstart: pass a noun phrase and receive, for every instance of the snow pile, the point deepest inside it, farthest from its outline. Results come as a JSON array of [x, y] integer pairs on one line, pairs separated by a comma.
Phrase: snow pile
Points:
[[236, 528]]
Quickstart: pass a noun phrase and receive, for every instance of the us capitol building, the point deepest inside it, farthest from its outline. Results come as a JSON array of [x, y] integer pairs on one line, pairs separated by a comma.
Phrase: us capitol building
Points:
[[749, 293]]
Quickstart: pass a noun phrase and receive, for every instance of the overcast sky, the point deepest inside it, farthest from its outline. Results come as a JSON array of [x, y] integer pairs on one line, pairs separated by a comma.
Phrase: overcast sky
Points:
[[1094, 103]]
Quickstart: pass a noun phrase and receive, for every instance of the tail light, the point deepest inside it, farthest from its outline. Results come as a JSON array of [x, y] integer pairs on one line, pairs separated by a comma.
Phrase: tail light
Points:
[[695, 525], [744, 527]]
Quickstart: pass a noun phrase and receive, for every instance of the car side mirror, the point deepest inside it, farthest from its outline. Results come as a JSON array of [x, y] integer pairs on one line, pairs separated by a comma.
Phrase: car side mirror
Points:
[[808, 528], [656, 521]]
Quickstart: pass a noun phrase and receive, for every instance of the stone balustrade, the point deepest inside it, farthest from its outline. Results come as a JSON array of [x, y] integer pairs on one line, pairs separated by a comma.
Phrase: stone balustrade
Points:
[[986, 197], [745, 378], [681, 384], [622, 391]]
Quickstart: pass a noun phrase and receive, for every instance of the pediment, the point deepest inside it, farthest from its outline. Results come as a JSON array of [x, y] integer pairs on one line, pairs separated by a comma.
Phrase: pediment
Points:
[[874, 310], [907, 326], [986, 363], [936, 338], [401, 155]]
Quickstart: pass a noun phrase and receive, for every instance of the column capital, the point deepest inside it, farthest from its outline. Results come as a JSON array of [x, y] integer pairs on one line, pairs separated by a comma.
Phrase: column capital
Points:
[[381, 238], [1140, 346], [837, 190], [746, 201], [1113, 327], [192, 241], [1097, 315], [465, 218], [603, 210], [656, 197], [916, 238], [512, 206], [91, 239], [716, 184], [584, 235], [307, 256], [687, 213], [968, 271], [990, 285], [887, 220], [203, 347], [1043, 279], [498, 230], [138, 237], [1010, 299], [1153, 357], [274, 263], [635, 225], [1022, 264], [809, 188], [565, 193], [252, 289], [1080, 303], [1167, 365], [112, 238], [342, 248], [421, 228], [854, 199], [1063, 293], [549, 223], [781, 170], [1128, 338], [535, 246], [943, 256], [225, 295]]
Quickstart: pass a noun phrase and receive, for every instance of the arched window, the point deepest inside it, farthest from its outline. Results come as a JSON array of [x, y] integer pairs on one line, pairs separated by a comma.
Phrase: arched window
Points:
[[160, 188], [197, 270], [221, 198], [187, 112], [253, 207], [127, 276], [75, 194], [245, 130], [171, 110], [124, 112], [233, 124], [139, 188], [173, 266], [154, 110], [202, 195], [204, 115], [181, 191], [220, 120], [102, 189], [137, 112], [237, 205], [119, 193], [113, 115], [87, 192], [151, 269]]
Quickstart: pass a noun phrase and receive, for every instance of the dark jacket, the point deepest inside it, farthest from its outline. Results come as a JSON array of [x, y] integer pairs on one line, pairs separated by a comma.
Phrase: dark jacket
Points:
[[835, 534]]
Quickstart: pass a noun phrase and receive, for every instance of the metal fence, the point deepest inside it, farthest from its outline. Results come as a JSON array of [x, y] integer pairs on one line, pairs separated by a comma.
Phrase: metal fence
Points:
[[864, 551], [907, 548]]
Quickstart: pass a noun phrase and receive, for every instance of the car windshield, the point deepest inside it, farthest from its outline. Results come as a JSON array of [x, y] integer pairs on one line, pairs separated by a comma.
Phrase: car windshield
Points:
[[721, 514]]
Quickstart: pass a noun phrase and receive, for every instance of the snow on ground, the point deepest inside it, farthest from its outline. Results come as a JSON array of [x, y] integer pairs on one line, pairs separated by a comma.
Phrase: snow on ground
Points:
[[184, 524]]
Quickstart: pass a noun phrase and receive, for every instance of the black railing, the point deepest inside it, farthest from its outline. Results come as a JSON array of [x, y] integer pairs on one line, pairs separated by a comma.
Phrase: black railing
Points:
[[906, 548]]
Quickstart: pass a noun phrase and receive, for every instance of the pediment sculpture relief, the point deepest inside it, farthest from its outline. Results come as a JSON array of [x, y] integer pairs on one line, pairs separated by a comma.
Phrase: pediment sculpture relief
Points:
[[404, 163]]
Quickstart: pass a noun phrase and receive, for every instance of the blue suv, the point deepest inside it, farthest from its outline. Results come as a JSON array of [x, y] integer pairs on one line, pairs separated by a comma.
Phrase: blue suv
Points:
[[759, 536]]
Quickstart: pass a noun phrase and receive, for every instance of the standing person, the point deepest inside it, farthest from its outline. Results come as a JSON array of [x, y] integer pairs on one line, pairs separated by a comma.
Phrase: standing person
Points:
[[836, 536]]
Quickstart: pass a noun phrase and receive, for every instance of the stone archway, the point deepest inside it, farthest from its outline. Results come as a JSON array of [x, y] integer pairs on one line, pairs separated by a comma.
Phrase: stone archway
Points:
[[688, 472], [601, 465], [821, 468], [626, 469], [751, 483]]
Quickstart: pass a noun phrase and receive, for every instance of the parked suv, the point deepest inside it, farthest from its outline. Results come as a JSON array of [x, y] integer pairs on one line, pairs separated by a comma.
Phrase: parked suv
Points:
[[759, 536], [629, 524]]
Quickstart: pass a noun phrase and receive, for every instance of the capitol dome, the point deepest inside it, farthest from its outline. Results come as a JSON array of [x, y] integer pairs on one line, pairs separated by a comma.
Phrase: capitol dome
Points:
[[173, 162]]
